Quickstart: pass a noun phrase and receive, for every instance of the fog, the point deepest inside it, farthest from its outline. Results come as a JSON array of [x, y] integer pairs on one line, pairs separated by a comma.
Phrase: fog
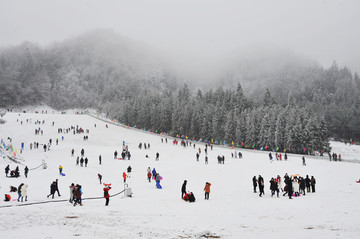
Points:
[[198, 35]]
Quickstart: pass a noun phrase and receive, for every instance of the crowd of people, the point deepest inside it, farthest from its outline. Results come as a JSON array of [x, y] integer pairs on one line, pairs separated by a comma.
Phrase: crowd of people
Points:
[[295, 185]]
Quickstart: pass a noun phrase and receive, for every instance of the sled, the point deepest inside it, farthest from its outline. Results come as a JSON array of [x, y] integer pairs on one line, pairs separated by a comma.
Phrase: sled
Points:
[[62, 174], [119, 158], [358, 181], [158, 186], [107, 184]]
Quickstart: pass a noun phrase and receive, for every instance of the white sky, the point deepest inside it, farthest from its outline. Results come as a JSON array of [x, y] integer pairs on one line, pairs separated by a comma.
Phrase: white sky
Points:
[[322, 30]]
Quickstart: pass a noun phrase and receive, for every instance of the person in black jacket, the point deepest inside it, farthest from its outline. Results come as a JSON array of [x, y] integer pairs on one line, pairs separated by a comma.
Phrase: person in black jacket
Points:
[[7, 169], [26, 170], [313, 182], [254, 183], [19, 191], [307, 183], [191, 197], [261, 185], [302, 184], [274, 187], [52, 189], [289, 187], [157, 156], [183, 189], [107, 195], [57, 187]]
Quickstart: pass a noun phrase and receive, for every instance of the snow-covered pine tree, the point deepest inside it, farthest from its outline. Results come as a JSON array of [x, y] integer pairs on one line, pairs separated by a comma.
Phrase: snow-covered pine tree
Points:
[[230, 128]]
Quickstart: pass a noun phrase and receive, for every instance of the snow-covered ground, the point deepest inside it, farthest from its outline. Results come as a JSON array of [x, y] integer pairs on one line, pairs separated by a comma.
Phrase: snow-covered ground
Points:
[[233, 210], [347, 151]]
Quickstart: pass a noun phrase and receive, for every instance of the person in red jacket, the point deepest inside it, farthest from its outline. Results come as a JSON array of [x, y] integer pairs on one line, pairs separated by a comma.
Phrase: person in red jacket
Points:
[[107, 195], [124, 176], [149, 176]]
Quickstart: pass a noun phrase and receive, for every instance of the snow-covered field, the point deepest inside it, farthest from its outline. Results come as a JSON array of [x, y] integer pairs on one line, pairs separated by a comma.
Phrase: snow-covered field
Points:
[[347, 151], [233, 210]]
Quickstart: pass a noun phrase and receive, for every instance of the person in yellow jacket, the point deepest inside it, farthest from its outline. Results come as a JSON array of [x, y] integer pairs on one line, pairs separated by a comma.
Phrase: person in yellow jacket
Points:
[[60, 169], [207, 190]]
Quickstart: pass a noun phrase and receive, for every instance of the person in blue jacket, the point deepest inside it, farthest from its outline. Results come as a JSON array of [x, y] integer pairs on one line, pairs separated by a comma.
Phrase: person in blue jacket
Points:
[[154, 173]]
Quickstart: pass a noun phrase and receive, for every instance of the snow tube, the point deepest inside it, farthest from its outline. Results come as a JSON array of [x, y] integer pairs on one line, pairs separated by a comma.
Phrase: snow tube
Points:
[[358, 181], [62, 174], [158, 185]]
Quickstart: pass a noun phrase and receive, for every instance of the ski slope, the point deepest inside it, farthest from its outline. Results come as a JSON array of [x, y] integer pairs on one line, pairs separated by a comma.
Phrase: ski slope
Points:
[[233, 210]]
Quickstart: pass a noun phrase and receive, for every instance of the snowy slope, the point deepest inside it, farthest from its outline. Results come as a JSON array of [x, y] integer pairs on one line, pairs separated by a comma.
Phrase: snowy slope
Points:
[[233, 210], [347, 151]]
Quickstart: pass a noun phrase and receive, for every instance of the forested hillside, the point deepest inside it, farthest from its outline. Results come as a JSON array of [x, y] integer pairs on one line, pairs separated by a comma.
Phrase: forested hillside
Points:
[[88, 71], [291, 106]]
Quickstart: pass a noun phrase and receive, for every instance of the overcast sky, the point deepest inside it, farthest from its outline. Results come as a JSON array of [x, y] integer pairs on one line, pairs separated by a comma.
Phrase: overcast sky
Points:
[[323, 30]]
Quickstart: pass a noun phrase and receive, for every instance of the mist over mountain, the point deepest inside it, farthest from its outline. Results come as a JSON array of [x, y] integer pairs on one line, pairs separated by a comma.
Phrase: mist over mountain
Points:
[[143, 86], [80, 72]]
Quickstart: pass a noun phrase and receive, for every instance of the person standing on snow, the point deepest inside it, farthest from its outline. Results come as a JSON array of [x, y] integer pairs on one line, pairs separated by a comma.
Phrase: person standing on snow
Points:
[[7, 169], [57, 187], [26, 170], [24, 192], [149, 176], [157, 156], [100, 159], [107, 195], [115, 154], [129, 171], [72, 191], [254, 183], [295, 185], [207, 190], [278, 180], [86, 161], [124, 176], [60, 169], [52, 189], [78, 193], [19, 191], [183, 189], [274, 187], [313, 182], [307, 183], [261, 185], [154, 172]]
